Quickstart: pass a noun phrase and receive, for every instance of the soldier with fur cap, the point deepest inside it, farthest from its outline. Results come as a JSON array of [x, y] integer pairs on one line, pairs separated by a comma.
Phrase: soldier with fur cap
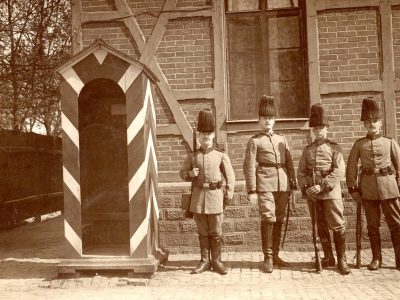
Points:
[[207, 168], [323, 160], [269, 173], [379, 182]]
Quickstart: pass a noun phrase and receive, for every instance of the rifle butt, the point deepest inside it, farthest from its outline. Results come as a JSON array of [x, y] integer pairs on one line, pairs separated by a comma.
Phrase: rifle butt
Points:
[[318, 264], [358, 236]]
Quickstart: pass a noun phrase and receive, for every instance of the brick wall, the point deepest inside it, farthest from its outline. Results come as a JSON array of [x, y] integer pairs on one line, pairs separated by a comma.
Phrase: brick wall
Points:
[[114, 34], [344, 112], [241, 223], [348, 45], [97, 5], [185, 53]]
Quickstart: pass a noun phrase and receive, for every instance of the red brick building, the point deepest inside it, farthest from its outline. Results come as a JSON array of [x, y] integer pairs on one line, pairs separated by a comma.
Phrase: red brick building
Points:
[[224, 55]]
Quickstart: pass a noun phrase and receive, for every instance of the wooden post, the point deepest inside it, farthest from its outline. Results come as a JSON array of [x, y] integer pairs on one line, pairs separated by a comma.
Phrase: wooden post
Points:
[[76, 26], [219, 75], [313, 58], [388, 76]]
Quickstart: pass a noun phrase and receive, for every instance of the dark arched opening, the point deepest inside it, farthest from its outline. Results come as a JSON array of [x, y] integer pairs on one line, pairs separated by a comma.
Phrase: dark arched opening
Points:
[[104, 171]]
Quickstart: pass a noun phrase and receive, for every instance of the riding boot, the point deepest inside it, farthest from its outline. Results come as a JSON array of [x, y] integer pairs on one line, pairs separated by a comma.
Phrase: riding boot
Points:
[[216, 244], [276, 242], [328, 260], [340, 245], [395, 235], [376, 248], [266, 241], [204, 264]]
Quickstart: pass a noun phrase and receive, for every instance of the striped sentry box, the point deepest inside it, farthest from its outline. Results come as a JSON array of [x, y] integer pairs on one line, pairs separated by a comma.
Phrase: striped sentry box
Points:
[[135, 80]]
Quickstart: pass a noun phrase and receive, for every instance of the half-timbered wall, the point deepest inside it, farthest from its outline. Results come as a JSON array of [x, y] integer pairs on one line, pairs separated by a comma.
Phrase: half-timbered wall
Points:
[[353, 50]]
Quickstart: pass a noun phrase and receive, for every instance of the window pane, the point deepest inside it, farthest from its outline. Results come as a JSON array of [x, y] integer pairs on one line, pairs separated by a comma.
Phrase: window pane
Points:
[[287, 72], [289, 98], [242, 5], [275, 4], [284, 32], [242, 55]]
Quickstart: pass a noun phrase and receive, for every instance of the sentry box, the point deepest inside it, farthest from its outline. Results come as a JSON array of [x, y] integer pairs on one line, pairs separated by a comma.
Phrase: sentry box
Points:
[[109, 163]]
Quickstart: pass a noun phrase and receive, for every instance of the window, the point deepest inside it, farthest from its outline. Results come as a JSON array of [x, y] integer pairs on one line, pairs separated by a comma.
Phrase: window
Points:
[[266, 53]]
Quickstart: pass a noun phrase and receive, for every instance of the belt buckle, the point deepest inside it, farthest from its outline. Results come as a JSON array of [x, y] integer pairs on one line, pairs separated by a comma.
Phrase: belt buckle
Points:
[[206, 185], [384, 171]]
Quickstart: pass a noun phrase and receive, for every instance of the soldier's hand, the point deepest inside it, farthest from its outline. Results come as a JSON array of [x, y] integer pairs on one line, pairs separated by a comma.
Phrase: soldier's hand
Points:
[[194, 172], [313, 191], [253, 198], [356, 196], [293, 185]]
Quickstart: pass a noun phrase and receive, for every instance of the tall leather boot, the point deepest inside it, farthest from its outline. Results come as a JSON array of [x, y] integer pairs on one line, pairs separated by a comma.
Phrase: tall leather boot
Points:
[[395, 235], [340, 244], [216, 244], [204, 264], [376, 248], [328, 260], [266, 241], [276, 243]]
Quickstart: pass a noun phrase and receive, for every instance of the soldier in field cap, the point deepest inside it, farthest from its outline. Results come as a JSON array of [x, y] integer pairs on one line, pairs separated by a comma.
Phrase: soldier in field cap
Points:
[[321, 168], [207, 168], [269, 173], [378, 188]]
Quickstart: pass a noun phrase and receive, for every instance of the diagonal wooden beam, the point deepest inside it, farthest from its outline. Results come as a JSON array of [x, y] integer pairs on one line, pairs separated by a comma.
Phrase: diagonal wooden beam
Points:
[[143, 47], [131, 24]]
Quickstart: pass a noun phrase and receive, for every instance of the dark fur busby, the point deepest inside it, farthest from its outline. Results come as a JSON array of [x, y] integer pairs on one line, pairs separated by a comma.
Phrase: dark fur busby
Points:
[[267, 106], [205, 122], [369, 109], [317, 116]]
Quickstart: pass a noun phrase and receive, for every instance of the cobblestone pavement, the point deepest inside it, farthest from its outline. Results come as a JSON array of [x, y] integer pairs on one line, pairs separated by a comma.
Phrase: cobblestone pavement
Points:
[[27, 271]]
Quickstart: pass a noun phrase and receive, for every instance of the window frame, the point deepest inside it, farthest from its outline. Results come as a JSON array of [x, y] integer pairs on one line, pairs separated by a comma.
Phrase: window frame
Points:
[[297, 122]]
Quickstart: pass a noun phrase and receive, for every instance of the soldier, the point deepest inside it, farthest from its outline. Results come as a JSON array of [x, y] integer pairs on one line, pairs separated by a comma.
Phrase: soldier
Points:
[[269, 173], [321, 168], [207, 167], [379, 182]]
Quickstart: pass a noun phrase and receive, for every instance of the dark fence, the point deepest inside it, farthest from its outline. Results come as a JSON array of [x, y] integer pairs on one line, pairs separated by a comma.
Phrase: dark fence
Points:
[[30, 176]]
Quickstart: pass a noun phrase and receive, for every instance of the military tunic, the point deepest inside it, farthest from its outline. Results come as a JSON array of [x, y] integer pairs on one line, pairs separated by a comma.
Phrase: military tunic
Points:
[[324, 158], [207, 195], [213, 165], [380, 167], [380, 162], [269, 171]]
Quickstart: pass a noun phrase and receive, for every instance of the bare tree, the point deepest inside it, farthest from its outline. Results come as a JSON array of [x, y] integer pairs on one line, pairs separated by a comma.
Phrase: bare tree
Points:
[[34, 39]]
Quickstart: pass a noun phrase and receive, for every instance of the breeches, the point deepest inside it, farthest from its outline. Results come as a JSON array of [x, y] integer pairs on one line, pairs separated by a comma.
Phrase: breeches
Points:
[[391, 210], [329, 214], [209, 224], [272, 206]]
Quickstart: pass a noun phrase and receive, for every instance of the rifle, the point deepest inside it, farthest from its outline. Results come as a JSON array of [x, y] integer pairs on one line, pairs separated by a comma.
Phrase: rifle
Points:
[[287, 218], [358, 227], [318, 265], [188, 213]]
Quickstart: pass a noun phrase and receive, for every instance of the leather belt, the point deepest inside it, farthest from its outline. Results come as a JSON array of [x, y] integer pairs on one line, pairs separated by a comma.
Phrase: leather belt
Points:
[[389, 170], [322, 173], [270, 165], [212, 185]]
